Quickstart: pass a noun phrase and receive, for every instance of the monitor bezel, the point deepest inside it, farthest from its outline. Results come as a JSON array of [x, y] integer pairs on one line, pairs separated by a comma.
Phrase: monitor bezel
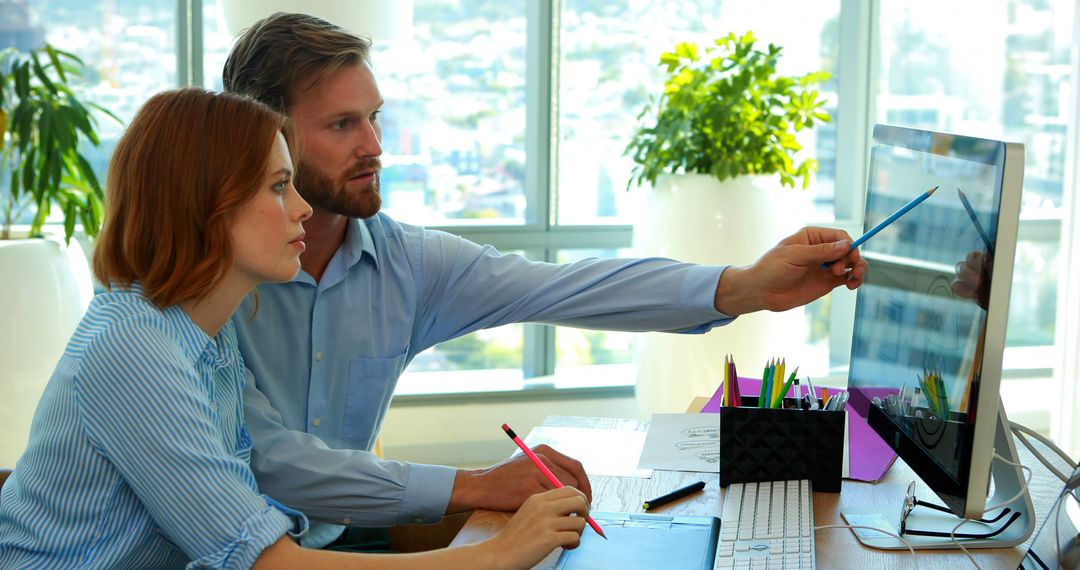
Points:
[[965, 495]]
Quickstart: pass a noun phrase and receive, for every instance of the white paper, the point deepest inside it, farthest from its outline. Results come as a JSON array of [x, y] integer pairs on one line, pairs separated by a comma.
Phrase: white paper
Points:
[[682, 442], [601, 451]]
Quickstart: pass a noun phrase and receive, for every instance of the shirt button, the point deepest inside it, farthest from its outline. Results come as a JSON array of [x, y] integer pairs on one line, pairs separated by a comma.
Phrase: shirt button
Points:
[[318, 355], [213, 406], [315, 422]]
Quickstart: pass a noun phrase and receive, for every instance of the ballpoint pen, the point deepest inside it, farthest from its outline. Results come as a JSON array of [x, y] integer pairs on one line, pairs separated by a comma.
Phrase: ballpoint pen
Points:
[[815, 404], [676, 494]]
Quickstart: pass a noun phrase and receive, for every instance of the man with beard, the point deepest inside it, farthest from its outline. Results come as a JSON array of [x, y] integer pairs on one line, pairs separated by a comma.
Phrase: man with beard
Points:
[[374, 292]]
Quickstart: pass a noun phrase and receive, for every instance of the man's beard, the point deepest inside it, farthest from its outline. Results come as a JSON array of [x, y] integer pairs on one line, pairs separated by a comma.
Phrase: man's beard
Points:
[[326, 194]]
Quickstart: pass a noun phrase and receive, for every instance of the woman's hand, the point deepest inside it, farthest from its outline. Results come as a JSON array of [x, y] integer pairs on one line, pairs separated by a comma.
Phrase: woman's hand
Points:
[[543, 524]]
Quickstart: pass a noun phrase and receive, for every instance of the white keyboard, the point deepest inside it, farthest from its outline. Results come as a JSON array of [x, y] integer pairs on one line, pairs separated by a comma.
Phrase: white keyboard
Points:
[[767, 525]]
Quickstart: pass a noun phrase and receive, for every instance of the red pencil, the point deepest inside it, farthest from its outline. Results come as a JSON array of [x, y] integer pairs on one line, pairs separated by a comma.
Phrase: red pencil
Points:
[[547, 472]]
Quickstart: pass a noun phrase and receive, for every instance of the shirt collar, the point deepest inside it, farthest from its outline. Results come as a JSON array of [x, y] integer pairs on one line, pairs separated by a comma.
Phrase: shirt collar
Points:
[[358, 241], [197, 345]]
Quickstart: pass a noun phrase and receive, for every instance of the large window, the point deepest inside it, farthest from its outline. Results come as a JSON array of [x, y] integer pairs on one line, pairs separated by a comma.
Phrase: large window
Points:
[[129, 49], [1005, 73], [454, 120], [505, 122], [608, 69]]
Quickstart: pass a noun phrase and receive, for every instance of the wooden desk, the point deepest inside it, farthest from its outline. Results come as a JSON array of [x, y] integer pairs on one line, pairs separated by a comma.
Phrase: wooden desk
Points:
[[836, 548]]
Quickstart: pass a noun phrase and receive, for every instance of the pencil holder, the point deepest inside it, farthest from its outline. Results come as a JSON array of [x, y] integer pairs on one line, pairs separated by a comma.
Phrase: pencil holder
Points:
[[780, 444]]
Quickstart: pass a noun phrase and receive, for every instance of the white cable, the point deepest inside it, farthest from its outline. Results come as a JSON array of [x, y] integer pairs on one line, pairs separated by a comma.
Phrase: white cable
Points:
[[1045, 441], [1019, 431], [1020, 493], [1024, 440], [1060, 506], [882, 531]]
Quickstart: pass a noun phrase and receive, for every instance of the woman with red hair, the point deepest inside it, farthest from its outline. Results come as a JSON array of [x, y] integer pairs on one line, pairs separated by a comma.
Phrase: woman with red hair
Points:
[[138, 454]]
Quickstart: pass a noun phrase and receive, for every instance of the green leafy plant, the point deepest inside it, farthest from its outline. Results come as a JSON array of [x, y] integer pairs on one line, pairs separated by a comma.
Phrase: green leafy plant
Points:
[[43, 123], [726, 112]]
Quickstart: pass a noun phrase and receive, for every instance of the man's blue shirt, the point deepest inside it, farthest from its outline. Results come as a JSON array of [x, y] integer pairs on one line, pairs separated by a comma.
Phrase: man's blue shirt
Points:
[[325, 357]]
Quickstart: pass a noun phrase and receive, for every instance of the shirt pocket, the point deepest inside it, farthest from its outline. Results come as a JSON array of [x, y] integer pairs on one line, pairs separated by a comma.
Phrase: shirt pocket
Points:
[[371, 385]]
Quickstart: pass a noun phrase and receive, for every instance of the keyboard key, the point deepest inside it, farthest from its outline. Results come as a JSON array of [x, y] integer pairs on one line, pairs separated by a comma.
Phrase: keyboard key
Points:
[[767, 525]]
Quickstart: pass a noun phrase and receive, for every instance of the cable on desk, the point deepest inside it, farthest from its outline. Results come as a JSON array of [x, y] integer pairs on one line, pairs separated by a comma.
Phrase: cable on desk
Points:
[[1019, 431], [882, 531], [1020, 493]]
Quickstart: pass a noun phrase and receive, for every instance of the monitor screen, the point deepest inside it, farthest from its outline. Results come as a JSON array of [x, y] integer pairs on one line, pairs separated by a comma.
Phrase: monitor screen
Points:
[[929, 319]]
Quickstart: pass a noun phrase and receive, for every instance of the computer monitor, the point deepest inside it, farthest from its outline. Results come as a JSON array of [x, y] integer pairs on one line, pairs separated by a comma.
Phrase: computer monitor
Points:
[[929, 330]]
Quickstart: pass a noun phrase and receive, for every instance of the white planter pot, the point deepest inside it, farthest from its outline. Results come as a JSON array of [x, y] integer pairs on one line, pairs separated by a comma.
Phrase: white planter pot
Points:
[[45, 288], [697, 219]]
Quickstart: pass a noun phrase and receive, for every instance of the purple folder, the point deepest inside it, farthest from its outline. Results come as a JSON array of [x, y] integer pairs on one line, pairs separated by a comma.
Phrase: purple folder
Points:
[[868, 457]]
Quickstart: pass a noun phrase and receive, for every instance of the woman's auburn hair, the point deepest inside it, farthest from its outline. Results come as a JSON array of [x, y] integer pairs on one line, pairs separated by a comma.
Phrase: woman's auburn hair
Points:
[[189, 159]]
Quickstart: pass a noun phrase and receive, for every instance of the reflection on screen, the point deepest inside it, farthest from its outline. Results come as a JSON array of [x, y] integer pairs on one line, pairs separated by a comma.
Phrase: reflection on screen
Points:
[[920, 320]]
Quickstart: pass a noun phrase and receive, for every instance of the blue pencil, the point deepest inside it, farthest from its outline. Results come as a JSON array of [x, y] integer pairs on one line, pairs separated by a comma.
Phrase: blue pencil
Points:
[[975, 220], [895, 216]]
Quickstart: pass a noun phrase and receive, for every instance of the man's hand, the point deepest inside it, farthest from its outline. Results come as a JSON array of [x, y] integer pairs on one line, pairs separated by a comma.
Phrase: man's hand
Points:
[[972, 275], [504, 487], [790, 274]]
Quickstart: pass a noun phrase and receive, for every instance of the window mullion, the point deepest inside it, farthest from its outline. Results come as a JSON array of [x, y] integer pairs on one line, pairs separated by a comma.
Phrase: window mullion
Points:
[[540, 129], [540, 132], [856, 90], [856, 86], [1066, 427], [189, 43]]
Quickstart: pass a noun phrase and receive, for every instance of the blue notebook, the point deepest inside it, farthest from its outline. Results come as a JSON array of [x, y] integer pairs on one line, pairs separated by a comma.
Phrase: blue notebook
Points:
[[646, 542]]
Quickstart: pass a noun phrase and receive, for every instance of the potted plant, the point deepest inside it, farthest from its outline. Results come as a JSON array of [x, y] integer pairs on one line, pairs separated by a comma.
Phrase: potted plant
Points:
[[44, 281], [43, 124], [726, 112], [712, 146]]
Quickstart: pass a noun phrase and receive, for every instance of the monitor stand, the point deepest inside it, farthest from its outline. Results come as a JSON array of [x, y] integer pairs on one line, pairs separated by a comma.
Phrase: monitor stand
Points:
[[1008, 480]]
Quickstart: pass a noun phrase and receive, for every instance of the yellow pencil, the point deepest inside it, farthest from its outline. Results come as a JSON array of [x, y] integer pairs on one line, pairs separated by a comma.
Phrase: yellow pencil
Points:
[[725, 400], [779, 386]]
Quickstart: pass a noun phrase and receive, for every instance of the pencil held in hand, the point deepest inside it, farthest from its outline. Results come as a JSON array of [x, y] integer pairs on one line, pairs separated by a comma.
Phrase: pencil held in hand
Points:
[[892, 218], [547, 472]]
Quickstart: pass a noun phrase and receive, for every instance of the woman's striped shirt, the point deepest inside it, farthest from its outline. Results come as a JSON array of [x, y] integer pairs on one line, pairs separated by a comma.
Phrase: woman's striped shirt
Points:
[[138, 455]]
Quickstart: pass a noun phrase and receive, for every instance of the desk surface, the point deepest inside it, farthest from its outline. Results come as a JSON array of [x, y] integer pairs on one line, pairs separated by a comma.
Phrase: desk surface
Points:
[[836, 548]]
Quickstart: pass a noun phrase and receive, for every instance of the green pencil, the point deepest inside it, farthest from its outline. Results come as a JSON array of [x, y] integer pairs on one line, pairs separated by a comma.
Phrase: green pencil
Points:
[[787, 386], [764, 387]]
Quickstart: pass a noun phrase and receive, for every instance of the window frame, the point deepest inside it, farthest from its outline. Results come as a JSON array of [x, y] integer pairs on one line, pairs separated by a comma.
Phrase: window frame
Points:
[[541, 238]]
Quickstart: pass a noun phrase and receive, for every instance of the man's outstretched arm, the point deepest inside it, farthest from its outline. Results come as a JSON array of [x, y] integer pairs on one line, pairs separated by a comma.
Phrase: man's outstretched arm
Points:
[[352, 487]]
